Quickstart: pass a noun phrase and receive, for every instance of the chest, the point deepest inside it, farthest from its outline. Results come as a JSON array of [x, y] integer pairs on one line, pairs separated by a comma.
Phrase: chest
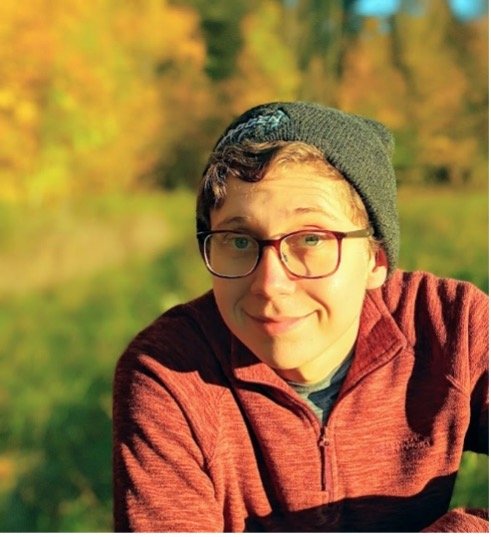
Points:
[[387, 446]]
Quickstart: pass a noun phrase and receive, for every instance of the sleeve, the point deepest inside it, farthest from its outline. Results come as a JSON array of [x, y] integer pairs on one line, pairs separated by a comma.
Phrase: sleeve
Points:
[[477, 437], [468, 520], [159, 471], [461, 521]]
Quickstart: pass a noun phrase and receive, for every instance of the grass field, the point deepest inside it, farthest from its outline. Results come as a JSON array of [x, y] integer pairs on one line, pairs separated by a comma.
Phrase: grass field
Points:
[[77, 282]]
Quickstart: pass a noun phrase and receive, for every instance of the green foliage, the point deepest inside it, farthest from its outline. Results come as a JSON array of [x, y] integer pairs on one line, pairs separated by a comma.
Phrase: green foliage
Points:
[[471, 488], [110, 97], [445, 232], [60, 345]]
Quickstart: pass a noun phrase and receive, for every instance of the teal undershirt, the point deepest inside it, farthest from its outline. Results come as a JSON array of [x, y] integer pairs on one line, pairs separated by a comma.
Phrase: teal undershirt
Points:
[[321, 395]]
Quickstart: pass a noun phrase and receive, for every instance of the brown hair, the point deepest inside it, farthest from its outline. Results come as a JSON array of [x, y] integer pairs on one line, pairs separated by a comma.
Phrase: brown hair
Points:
[[250, 161]]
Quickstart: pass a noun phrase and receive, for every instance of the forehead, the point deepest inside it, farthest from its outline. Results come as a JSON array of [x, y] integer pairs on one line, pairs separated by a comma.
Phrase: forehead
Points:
[[289, 193]]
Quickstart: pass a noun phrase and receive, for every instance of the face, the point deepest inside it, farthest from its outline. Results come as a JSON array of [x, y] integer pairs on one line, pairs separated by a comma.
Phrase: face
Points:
[[302, 328]]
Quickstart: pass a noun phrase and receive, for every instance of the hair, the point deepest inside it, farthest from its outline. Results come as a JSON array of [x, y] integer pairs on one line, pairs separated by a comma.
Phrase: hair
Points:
[[249, 162]]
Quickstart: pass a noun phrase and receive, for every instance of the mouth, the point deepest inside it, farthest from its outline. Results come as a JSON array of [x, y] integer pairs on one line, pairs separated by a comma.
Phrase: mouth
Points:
[[277, 325]]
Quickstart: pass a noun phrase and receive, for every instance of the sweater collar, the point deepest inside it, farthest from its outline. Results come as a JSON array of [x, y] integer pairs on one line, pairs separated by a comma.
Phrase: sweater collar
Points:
[[379, 340]]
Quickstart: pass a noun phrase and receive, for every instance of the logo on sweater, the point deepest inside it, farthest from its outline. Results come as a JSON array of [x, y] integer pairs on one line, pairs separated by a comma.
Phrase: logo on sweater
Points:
[[257, 127]]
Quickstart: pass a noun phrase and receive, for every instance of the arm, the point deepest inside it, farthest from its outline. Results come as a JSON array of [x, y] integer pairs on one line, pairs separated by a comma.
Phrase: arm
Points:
[[467, 520], [160, 478], [477, 437], [461, 521]]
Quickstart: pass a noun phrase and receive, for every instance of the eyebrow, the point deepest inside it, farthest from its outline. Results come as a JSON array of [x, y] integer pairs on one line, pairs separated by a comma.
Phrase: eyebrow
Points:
[[314, 210], [235, 220]]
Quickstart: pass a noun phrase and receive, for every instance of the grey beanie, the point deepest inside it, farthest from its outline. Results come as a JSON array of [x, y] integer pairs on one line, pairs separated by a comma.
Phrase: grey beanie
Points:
[[360, 148]]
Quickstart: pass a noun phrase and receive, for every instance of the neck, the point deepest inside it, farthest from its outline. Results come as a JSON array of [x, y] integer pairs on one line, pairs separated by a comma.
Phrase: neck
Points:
[[327, 363]]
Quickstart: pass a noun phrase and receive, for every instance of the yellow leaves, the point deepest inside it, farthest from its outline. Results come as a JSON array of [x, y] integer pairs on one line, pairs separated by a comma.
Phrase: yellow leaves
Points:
[[7, 472], [83, 97], [95, 95], [7, 99], [14, 464], [160, 30], [453, 153], [267, 68], [371, 85], [9, 192], [26, 113], [183, 41]]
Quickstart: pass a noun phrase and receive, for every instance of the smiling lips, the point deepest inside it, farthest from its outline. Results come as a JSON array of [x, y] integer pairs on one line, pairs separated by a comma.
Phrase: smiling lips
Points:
[[274, 326]]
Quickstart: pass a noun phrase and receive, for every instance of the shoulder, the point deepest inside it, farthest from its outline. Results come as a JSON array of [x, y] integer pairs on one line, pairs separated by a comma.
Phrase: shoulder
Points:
[[183, 333], [424, 294], [443, 319], [180, 352], [169, 380]]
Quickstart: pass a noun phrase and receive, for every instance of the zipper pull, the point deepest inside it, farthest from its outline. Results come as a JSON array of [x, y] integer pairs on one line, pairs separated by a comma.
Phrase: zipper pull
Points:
[[323, 441], [323, 444]]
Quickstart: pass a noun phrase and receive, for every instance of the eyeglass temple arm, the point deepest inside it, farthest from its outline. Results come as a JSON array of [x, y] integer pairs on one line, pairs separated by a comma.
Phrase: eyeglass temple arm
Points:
[[359, 233]]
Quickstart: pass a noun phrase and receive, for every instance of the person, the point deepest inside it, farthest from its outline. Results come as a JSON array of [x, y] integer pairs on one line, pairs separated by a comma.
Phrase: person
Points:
[[316, 387]]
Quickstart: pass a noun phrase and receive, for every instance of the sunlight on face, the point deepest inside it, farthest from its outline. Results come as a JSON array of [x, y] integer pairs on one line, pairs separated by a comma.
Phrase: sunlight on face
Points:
[[302, 328]]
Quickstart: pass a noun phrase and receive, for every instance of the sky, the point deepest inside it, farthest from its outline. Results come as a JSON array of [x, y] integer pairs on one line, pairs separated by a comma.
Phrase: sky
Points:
[[463, 9]]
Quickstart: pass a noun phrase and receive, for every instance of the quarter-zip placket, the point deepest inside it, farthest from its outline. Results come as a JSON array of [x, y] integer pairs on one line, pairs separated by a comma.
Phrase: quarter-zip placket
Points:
[[323, 445], [322, 442]]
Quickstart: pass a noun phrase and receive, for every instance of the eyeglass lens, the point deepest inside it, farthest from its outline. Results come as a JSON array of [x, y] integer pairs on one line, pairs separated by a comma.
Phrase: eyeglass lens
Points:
[[305, 253]]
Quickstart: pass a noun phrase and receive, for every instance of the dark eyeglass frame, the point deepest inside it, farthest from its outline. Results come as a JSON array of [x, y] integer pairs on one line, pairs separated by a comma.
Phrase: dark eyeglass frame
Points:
[[276, 244]]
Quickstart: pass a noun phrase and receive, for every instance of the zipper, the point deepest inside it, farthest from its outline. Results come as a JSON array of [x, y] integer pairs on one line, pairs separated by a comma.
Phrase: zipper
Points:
[[323, 445]]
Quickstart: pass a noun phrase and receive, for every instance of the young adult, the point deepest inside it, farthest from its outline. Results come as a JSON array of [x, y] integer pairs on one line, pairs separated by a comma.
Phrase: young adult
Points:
[[316, 387]]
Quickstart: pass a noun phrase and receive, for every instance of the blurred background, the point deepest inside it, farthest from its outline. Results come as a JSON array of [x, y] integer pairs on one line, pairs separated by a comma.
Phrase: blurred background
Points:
[[108, 110]]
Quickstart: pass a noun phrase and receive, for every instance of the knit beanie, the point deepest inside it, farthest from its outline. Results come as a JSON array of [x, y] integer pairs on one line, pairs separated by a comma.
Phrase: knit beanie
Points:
[[360, 148]]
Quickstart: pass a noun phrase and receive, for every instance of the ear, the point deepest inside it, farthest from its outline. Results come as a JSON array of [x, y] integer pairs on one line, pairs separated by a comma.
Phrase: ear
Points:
[[379, 267]]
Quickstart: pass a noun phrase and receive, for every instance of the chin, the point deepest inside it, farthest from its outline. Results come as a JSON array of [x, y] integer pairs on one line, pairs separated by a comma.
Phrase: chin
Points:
[[281, 358]]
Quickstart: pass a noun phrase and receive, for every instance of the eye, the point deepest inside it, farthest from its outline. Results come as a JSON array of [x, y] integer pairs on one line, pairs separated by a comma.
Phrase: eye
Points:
[[312, 239], [235, 242], [308, 240], [241, 242]]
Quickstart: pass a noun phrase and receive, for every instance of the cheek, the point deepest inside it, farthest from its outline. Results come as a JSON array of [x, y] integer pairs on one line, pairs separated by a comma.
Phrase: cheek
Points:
[[227, 295], [341, 295], [355, 266]]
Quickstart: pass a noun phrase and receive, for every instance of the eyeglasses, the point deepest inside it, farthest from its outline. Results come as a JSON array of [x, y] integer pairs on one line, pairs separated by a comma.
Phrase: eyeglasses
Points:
[[306, 254]]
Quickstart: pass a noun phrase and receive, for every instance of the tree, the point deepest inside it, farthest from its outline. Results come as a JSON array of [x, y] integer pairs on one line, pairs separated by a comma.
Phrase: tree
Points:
[[442, 148], [266, 66], [93, 106]]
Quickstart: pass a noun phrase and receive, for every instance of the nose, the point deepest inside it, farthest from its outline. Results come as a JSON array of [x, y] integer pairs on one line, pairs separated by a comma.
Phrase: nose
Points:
[[271, 278]]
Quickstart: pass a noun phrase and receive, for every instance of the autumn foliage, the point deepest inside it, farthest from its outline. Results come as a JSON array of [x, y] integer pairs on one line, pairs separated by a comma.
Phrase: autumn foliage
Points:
[[116, 96]]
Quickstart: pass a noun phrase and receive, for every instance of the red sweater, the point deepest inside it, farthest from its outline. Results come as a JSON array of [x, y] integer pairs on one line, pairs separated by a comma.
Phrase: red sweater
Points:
[[207, 438]]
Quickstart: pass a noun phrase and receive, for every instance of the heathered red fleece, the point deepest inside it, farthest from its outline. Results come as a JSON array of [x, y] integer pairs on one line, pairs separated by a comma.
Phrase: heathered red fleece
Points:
[[209, 439]]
